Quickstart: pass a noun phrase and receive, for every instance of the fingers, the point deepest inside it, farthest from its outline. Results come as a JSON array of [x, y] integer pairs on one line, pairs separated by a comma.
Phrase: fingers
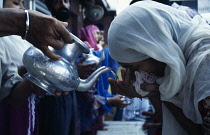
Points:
[[120, 96], [127, 76], [64, 33], [66, 93], [59, 93], [152, 87], [123, 73], [81, 60], [65, 24], [50, 54], [114, 86]]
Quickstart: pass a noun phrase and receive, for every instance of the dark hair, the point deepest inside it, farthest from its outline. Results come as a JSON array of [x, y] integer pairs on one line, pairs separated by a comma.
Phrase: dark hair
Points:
[[160, 1], [50, 2], [100, 26]]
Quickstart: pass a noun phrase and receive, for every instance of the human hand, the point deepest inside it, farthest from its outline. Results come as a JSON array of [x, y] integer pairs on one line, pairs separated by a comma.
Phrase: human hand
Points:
[[124, 87], [85, 70], [151, 125], [47, 31], [117, 101]]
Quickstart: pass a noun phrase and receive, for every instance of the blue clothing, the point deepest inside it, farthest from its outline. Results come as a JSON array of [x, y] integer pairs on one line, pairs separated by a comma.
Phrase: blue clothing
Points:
[[103, 84]]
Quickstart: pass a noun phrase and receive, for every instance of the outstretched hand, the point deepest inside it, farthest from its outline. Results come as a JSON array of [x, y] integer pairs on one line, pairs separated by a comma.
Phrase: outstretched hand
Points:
[[47, 31], [117, 101]]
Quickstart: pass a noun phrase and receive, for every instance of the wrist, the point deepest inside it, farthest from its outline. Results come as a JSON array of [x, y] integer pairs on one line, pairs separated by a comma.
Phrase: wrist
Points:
[[107, 100]]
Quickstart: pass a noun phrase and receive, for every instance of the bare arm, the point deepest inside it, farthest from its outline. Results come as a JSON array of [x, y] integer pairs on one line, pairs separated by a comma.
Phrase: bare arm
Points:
[[14, 25]]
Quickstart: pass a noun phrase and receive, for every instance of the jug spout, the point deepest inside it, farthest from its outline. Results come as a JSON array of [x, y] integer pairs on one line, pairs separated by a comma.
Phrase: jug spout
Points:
[[86, 84], [102, 57]]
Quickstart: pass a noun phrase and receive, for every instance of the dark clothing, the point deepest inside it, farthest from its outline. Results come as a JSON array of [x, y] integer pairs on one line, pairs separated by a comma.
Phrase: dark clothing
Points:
[[57, 115], [18, 120]]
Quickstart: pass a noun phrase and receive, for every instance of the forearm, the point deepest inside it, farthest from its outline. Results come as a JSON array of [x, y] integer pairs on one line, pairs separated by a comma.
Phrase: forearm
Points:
[[21, 91], [157, 103], [12, 22], [190, 127]]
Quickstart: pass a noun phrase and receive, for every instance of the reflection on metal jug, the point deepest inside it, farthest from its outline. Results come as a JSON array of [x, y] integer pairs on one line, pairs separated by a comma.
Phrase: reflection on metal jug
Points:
[[59, 75]]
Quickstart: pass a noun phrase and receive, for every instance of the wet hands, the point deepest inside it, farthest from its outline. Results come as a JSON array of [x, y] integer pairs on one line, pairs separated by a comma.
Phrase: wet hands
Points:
[[125, 86]]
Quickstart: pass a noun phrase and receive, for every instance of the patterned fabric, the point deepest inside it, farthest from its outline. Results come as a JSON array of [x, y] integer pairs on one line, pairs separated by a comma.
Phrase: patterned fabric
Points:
[[205, 109]]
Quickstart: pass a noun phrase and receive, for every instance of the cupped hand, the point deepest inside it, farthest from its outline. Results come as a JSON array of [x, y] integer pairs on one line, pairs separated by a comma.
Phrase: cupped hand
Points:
[[125, 86], [47, 31], [118, 102]]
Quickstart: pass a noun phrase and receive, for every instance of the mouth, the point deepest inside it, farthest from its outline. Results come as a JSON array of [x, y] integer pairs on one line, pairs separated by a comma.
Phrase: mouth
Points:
[[63, 10]]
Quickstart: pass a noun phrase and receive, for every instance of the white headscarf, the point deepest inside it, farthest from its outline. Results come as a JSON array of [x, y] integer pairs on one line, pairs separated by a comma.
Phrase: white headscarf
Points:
[[148, 29]]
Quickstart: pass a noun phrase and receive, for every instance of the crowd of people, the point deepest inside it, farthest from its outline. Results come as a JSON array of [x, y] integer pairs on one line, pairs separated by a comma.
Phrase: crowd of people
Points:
[[161, 51]]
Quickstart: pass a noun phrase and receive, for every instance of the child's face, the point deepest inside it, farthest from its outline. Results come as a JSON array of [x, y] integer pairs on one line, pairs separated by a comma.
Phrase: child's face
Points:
[[96, 34]]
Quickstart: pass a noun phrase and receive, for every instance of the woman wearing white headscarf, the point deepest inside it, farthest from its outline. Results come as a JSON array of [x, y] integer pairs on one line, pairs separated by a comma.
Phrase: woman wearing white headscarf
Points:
[[162, 40]]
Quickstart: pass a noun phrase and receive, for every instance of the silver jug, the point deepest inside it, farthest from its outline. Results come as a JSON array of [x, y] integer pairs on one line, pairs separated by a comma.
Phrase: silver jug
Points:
[[91, 58], [59, 75]]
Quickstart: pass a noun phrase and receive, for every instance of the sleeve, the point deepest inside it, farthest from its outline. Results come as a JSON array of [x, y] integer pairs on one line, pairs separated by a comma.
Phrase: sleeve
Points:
[[8, 73]]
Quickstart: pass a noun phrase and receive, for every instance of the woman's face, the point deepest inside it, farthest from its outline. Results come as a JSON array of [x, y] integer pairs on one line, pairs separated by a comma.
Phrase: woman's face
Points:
[[96, 35], [149, 65], [14, 4]]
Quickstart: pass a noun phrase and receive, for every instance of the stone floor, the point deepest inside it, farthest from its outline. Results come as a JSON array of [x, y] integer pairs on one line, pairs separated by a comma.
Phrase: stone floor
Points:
[[123, 128]]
